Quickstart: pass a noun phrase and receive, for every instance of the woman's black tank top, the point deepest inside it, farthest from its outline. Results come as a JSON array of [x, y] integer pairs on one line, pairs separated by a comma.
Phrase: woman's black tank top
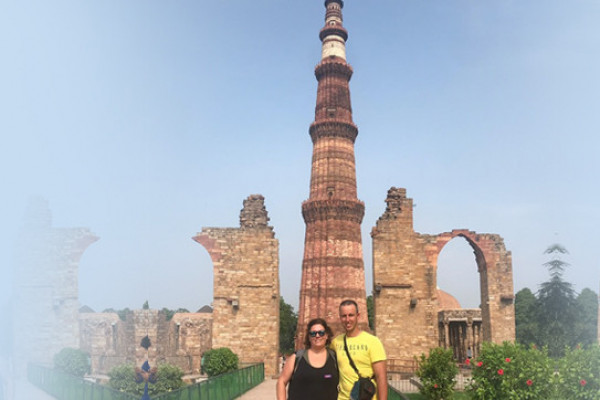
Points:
[[310, 383]]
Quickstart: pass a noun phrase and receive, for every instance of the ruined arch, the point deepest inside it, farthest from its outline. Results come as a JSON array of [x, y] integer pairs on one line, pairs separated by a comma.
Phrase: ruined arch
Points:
[[246, 286], [457, 259], [494, 265], [405, 283]]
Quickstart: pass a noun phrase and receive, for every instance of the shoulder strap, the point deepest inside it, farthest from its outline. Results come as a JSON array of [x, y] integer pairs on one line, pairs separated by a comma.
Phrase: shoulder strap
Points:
[[350, 358], [332, 354], [299, 355]]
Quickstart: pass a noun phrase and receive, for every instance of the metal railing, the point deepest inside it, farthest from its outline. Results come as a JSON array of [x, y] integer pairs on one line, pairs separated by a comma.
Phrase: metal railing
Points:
[[227, 386], [68, 387], [394, 394]]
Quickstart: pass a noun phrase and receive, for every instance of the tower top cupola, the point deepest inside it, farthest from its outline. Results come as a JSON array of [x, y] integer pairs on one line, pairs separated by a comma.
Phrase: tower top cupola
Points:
[[333, 34]]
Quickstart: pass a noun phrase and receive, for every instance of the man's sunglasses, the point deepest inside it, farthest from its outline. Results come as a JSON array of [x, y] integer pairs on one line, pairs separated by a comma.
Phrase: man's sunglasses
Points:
[[316, 333]]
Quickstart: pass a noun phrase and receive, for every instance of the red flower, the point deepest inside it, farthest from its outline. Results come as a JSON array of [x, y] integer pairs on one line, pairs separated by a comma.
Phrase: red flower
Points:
[[435, 385], [480, 363], [583, 382], [507, 359], [529, 382], [500, 371], [467, 361]]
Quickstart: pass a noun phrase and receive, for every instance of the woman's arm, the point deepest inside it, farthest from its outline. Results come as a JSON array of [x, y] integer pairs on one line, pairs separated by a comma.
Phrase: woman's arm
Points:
[[285, 376]]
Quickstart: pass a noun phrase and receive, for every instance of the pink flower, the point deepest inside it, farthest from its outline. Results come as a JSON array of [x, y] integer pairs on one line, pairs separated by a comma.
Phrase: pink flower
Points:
[[480, 363], [507, 360], [500, 371], [582, 382], [435, 385], [529, 382], [467, 361]]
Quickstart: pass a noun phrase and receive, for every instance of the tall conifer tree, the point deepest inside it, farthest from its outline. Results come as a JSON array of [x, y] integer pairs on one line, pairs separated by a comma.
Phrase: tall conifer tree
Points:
[[557, 305]]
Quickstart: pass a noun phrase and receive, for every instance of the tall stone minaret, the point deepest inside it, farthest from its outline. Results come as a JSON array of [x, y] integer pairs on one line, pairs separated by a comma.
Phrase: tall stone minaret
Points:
[[333, 268]]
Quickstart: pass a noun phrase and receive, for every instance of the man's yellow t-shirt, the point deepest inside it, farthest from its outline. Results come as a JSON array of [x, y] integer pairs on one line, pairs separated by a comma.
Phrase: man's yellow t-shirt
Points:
[[365, 349]]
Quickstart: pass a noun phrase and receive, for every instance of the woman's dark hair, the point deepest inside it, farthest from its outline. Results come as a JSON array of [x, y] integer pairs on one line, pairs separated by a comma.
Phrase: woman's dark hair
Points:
[[317, 321]]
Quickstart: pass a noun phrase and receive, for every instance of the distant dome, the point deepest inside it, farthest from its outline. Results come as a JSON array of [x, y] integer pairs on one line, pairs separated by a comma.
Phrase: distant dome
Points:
[[446, 301], [205, 309], [86, 309]]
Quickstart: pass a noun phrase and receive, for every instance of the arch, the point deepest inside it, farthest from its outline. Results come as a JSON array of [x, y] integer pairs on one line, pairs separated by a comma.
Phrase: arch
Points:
[[405, 262], [495, 275], [457, 272]]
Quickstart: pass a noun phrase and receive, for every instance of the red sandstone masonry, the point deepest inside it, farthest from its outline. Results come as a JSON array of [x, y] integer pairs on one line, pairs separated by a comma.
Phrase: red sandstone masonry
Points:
[[405, 271], [332, 269]]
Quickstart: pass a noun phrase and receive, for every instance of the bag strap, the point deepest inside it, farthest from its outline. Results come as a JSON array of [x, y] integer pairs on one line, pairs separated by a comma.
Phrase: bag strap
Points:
[[350, 358], [299, 355]]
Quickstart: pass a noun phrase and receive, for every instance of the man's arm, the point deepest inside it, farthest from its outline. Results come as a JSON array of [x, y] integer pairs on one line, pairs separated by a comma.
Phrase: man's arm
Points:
[[380, 371]]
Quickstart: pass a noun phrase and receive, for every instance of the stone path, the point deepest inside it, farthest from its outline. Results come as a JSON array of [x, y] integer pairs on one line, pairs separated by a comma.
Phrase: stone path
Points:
[[23, 390], [264, 391]]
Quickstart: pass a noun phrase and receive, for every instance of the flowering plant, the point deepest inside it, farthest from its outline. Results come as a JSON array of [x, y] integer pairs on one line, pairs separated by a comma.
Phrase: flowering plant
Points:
[[437, 373], [510, 371], [579, 374]]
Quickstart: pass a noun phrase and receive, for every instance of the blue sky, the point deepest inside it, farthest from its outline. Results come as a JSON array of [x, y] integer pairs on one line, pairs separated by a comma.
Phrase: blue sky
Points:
[[148, 120]]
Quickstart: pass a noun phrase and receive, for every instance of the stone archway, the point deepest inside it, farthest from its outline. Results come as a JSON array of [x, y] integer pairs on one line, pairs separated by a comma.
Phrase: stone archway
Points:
[[405, 283], [494, 265], [246, 286]]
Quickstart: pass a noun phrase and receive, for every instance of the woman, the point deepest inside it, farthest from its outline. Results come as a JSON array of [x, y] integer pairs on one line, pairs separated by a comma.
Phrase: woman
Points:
[[314, 375]]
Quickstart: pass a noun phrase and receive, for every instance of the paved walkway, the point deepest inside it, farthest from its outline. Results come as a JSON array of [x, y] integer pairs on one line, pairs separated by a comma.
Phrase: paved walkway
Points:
[[264, 391], [23, 390]]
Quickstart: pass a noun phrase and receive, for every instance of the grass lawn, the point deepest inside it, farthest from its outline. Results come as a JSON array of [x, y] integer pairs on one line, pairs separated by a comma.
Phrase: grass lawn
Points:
[[418, 396]]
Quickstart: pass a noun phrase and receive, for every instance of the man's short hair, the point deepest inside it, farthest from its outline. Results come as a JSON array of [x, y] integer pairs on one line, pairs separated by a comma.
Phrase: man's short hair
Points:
[[349, 302]]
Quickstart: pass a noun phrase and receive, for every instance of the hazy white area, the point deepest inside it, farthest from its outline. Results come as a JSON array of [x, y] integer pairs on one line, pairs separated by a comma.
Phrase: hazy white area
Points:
[[145, 121]]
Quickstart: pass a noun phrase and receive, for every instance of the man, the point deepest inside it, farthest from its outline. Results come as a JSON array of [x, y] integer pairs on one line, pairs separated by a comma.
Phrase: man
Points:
[[366, 351]]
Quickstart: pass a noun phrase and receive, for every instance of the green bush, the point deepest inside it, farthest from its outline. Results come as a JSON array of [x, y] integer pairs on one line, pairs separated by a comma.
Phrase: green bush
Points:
[[220, 360], [168, 378], [437, 373], [123, 378], [511, 371], [578, 375], [72, 361]]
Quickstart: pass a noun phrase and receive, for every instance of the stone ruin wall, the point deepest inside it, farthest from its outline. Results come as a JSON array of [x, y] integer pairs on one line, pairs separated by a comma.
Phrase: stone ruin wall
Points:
[[246, 286], [405, 282], [112, 342], [46, 304]]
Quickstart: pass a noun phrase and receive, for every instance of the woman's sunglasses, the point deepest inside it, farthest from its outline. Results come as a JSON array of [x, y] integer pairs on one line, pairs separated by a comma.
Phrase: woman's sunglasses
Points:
[[316, 333]]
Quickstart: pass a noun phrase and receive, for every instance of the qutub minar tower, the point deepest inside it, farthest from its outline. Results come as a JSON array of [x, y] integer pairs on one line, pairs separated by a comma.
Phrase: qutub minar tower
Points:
[[332, 269]]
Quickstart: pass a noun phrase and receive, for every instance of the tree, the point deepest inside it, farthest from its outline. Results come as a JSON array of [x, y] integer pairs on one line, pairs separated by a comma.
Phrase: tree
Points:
[[586, 327], [288, 321], [219, 361], [72, 361], [169, 313], [557, 305], [526, 317], [371, 312]]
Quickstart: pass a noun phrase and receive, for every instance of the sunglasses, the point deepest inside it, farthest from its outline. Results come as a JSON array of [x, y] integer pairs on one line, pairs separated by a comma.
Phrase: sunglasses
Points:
[[316, 333]]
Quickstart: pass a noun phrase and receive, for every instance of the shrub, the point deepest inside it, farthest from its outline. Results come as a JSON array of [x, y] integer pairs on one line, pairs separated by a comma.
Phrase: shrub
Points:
[[72, 361], [437, 373], [579, 374], [220, 360], [510, 371], [168, 378], [123, 378]]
